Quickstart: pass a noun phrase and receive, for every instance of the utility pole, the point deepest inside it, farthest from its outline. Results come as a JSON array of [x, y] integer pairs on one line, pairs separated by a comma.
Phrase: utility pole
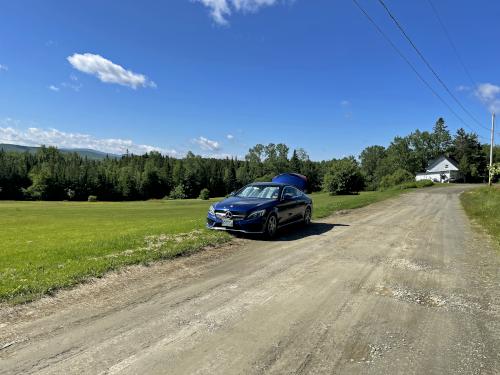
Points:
[[491, 145]]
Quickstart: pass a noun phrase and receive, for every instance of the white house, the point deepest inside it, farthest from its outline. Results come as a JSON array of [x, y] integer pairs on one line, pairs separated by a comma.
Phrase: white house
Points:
[[441, 169]]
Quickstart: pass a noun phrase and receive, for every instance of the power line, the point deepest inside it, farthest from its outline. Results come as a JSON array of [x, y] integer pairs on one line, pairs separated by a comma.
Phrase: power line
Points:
[[408, 62], [426, 62], [453, 46]]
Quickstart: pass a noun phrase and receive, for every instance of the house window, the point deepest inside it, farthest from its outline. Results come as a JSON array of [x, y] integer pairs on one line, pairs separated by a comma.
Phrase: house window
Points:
[[446, 166]]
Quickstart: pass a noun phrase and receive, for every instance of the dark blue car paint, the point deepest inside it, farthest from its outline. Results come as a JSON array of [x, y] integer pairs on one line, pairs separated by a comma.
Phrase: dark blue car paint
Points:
[[287, 210]]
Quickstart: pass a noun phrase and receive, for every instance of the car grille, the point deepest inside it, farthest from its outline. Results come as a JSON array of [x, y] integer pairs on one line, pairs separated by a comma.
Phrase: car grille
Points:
[[235, 215]]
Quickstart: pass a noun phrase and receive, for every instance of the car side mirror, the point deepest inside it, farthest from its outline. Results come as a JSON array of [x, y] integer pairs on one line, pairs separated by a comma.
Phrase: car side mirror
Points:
[[232, 194]]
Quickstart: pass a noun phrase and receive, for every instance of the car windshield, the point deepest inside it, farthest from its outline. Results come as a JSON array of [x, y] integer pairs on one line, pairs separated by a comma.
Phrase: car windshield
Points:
[[259, 191]]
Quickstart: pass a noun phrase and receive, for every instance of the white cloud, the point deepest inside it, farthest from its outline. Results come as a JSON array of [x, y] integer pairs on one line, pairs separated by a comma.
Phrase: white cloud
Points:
[[489, 94], [107, 71], [34, 136], [73, 86], [221, 9], [3, 67], [218, 155], [487, 91], [230, 136], [207, 144], [346, 104]]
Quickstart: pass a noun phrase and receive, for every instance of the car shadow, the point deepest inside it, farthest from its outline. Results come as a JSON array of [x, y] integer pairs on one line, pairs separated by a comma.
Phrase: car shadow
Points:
[[298, 231]]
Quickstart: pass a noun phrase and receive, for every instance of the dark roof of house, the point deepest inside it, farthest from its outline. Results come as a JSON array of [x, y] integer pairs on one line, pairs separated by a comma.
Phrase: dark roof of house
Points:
[[436, 161]]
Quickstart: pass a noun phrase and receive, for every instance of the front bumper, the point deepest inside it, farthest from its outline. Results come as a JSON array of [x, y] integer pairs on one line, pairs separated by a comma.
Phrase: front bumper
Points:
[[255, 226]]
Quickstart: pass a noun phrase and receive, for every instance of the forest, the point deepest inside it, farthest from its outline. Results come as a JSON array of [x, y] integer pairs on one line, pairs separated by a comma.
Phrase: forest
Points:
[[50, 174]]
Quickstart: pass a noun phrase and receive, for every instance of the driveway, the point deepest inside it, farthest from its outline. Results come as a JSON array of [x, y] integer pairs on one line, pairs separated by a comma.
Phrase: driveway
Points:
[[405, 286]]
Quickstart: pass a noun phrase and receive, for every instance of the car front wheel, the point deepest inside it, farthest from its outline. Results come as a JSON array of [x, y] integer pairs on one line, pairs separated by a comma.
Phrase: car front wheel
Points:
[[271, 226], [307, 216]]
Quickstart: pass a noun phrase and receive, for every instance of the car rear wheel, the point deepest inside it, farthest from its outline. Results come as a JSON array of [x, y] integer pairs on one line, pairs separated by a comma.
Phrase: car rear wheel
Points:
[[271, 226], [307, 216]]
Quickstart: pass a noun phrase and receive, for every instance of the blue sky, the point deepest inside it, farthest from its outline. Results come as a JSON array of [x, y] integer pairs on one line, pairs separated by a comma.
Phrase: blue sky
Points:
[[218, 76]]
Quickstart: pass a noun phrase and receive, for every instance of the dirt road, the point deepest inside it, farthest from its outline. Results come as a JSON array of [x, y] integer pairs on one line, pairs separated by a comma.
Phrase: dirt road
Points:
[[405, 286]]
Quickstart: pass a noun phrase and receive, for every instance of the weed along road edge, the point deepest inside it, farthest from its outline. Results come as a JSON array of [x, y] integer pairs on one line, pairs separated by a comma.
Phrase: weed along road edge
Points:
[[404, 286]]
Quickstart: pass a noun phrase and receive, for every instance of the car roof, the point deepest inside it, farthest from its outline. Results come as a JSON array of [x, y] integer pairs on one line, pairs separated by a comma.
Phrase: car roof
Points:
[[278, 184]]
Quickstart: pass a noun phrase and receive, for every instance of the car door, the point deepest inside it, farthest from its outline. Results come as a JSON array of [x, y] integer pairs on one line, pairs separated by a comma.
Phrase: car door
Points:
[[300, 206], [287, 205]]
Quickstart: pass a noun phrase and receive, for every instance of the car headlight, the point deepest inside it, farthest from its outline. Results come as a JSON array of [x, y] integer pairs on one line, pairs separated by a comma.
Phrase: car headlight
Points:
[[256, 214], [211, 210]]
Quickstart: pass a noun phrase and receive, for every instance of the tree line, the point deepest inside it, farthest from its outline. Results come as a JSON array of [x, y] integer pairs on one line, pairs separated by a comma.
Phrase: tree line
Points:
[[413, 153], [49, 174]]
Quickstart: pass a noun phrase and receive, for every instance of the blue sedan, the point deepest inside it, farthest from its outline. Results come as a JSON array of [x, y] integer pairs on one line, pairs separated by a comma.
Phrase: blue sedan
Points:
[[261, 207]]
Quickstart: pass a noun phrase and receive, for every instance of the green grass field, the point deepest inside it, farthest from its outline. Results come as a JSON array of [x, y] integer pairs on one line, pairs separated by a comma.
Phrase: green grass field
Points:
[[483, 205], [49, 245], [325, 204]]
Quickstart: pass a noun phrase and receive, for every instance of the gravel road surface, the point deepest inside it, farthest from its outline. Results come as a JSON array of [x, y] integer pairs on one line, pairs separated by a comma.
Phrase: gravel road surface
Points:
[[405, 286]]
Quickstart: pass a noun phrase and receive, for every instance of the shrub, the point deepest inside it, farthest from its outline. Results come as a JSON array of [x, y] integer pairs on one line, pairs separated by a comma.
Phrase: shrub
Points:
[[92, 198], [399, 177], [31, 194], [412, 185], [204, 194], [409, 185], [343, 177], [371, 186], [70, 193], [178, 192], [424, 183], [494, 171]]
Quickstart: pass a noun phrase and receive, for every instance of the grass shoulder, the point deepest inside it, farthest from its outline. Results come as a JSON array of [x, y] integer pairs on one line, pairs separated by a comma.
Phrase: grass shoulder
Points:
[[326, 204], [483, 206]]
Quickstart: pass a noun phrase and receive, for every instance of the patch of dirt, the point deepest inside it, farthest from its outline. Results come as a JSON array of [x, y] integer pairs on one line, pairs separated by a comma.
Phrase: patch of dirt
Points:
[[429, 298], [402, 263], [358, 352], [342, 212], [407, 264], [362, 352], [423, 298]]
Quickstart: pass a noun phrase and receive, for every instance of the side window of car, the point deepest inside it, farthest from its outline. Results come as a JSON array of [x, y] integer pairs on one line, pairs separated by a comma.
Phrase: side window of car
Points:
[[288, 191], [292, 192]]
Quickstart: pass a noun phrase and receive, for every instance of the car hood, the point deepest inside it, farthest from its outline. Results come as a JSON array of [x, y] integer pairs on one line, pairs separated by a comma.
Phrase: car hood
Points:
[[239, 204]]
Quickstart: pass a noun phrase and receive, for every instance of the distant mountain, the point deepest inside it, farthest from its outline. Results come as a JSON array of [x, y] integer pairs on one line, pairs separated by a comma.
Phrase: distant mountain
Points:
[[83, 152], [17, 148]]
